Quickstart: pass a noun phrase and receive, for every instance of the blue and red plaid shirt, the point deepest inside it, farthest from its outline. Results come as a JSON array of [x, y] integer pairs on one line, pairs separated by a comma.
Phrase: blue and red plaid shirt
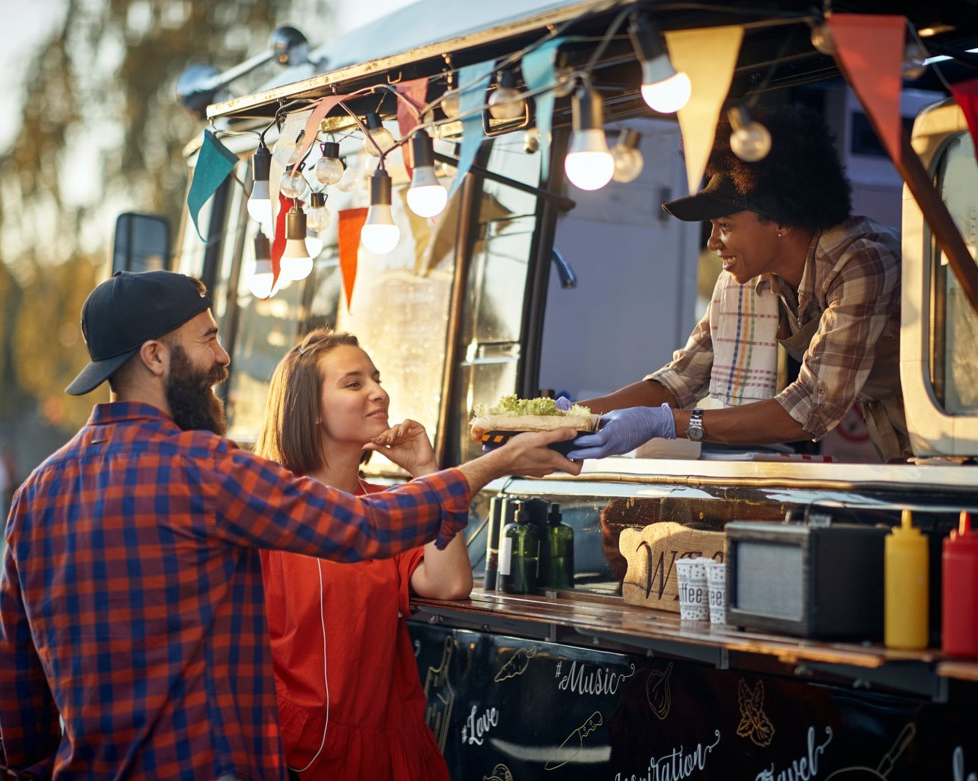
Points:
[[132, 607]]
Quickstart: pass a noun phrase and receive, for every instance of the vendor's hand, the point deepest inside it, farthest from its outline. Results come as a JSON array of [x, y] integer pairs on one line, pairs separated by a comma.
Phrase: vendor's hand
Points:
[[407, 445], [623, 430]]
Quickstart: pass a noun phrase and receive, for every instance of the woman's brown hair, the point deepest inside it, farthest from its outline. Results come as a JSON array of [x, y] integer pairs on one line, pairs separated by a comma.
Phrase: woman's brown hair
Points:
[[290, 433]]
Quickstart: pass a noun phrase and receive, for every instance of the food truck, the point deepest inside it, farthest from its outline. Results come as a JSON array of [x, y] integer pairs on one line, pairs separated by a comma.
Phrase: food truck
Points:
[[527, 283]]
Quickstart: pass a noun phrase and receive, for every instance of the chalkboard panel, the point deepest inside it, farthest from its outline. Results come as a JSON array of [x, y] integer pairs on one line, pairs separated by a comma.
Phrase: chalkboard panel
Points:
[[508, 709]]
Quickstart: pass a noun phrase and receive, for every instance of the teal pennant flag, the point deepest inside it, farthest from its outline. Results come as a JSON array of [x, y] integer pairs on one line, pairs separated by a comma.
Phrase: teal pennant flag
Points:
[[473, 81], [538, 73], [214, 163]]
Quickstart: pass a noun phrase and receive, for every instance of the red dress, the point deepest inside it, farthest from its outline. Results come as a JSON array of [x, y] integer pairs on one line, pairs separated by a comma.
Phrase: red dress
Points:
[[375, 728]]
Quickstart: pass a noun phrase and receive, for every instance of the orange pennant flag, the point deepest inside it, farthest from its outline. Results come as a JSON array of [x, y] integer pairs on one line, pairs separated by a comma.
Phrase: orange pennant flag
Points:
[[708, 56], [351, 223], [870, 49]]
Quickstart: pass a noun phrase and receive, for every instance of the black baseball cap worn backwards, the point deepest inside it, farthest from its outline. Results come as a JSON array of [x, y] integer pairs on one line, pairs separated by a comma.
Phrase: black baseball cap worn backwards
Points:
[[720, 198], [127, 310]]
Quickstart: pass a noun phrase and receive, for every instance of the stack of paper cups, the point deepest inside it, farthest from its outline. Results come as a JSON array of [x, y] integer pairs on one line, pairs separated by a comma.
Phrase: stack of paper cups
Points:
[[716, 578], [693, 589]]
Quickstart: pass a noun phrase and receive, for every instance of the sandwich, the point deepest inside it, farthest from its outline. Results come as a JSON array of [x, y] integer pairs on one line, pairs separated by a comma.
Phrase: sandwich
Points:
[[511, 415]]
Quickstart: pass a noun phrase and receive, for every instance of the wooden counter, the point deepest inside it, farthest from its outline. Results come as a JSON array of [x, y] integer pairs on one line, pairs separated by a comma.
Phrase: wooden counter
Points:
[[608, 622]]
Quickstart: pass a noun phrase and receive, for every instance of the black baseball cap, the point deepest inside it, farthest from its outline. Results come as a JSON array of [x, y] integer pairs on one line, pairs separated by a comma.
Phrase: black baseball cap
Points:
[[719, 198], [127, 310]]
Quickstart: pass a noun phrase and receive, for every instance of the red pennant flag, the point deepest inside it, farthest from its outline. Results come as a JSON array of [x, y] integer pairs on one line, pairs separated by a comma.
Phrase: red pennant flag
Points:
[[351, 223], [278, 243], [966, 96], [870, 47], [409, 113]]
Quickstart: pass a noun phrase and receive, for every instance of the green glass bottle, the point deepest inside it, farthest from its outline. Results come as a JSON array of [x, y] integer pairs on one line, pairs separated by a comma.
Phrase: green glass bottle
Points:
[[557, 566], [519, 555]]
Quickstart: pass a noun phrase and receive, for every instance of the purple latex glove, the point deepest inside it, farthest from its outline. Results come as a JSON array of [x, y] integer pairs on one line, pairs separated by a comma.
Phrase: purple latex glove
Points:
[[563, 403], [623, 430]]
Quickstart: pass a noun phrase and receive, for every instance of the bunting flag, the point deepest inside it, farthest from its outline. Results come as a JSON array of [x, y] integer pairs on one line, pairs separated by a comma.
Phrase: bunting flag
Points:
[[415, 93], [311, 131], [278, 243], [708, 56], [348, 235], [966, 96], [870, 49], [538, 73], [473, 81], [215, 162]]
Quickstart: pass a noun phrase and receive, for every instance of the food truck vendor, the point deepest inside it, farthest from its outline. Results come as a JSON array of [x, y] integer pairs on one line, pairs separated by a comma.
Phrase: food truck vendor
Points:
[[823, 284]]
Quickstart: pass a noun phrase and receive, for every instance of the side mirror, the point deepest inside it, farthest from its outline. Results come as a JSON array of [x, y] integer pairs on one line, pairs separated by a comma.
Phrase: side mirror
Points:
[[142, 243]]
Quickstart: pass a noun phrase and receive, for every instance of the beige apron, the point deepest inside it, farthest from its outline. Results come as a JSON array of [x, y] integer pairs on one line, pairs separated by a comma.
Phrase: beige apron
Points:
[[881, 398]]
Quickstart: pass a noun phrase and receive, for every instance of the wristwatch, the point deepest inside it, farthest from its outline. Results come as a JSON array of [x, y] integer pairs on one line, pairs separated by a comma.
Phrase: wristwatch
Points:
[[694, 430]]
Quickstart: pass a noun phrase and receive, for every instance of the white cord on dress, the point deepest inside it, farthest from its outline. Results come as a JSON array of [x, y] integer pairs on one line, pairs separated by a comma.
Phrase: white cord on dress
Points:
[[319, 566]]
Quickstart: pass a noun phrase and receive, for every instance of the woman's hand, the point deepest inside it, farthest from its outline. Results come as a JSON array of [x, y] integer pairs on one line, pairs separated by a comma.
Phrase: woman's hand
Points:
[[407, 445]]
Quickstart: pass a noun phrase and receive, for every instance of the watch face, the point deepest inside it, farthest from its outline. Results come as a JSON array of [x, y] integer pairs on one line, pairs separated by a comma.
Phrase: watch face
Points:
[[694, 430]]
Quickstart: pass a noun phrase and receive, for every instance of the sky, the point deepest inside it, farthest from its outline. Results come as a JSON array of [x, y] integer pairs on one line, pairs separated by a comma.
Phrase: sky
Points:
[[28, 22]]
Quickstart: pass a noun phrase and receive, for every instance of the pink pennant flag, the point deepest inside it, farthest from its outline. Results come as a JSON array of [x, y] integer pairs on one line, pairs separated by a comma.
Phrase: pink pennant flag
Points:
[[966, 96], [315, 120], [415, 93], [870, 49]]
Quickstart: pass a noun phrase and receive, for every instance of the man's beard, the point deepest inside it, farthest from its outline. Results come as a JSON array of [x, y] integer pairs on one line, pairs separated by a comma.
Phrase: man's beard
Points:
[[188, 392]]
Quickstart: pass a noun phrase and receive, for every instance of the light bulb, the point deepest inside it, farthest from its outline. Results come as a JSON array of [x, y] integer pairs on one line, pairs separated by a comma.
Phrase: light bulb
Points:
[[506, 102], [317, 215], [663, 89], [450, 105], [915, 58], [261, 278], [750, 140], [426, 196], [329, 168], [822, 39], [293, 184], [260, 281], [314, 243], [296, 263], [669, 95], [259, 202], [589, 165], [380, 235], [381, 139], [628, 159]]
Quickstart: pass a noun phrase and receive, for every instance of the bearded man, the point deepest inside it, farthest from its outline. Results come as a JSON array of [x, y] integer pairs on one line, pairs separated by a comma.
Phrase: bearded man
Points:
[[133, 639]]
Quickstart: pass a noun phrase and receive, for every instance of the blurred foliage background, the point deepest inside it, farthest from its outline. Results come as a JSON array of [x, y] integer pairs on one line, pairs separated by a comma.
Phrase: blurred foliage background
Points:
[[101, 133]]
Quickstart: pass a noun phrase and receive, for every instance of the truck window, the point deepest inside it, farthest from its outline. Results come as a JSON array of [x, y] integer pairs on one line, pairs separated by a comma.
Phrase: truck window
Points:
[[954, 370], [492, 313]]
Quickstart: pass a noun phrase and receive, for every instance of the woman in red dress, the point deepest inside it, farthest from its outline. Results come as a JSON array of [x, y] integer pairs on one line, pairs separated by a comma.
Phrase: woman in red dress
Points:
[[351, 705]]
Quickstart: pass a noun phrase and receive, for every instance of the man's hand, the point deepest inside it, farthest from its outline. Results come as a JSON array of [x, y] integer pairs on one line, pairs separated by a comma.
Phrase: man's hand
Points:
[[525, 454], [623, 430], [407, 445]]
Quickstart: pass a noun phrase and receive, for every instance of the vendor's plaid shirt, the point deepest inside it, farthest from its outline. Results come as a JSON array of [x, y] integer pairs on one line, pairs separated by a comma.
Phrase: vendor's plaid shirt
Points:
[[131, 603], [851, 285]]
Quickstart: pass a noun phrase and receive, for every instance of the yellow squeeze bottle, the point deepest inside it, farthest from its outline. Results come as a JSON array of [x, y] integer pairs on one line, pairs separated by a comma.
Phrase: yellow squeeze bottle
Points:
[[905, 573]]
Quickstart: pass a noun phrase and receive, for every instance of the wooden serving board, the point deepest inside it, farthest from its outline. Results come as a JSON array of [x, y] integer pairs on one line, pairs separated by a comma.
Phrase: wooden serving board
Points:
[[651, 553]]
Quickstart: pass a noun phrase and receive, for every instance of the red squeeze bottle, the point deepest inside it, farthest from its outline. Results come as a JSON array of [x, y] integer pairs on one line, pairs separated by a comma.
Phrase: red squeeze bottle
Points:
[[959, 580]]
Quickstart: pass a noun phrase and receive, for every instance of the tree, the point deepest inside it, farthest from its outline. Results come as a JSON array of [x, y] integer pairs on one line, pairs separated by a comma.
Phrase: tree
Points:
[[102, 133]]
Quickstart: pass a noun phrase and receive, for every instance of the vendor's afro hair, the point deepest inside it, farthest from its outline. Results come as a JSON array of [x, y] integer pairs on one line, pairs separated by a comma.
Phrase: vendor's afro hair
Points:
[[801, 178]]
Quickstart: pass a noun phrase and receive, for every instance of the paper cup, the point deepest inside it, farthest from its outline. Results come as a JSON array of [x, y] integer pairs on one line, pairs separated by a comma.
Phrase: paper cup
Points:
[[716, 578], [693, 589]]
